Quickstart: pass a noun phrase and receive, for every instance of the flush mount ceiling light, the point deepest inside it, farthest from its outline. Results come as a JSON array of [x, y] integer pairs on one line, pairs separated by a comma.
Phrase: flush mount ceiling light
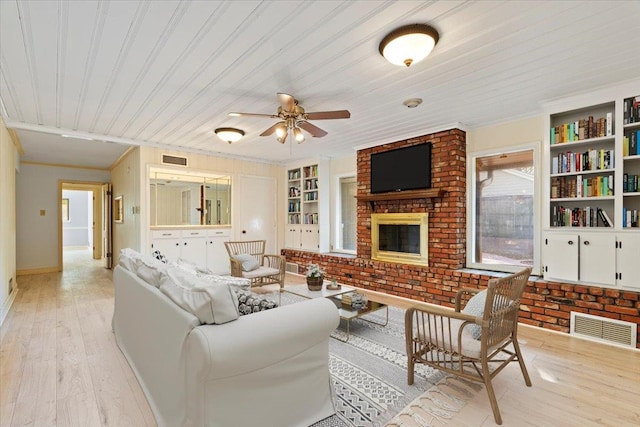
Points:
[[229, 134], [408, 45]]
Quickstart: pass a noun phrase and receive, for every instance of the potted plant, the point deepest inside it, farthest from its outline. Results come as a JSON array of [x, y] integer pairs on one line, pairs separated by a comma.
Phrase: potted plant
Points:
[[315, 277]]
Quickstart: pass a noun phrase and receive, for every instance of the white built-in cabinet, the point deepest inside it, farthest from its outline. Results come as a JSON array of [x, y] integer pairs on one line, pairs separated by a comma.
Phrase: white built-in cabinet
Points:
[[307, 211], [202, 247], [591, 232]]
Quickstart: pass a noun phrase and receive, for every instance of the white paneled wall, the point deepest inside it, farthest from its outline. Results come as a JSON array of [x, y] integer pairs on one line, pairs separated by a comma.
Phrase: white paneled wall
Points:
[[7, 217]]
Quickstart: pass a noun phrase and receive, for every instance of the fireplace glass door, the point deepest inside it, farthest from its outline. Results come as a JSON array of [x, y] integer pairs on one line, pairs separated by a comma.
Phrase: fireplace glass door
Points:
[[399, 238]]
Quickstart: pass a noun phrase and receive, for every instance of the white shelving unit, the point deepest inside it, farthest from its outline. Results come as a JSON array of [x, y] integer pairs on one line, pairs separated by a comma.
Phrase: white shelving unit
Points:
[[575, 247], [307, 207]]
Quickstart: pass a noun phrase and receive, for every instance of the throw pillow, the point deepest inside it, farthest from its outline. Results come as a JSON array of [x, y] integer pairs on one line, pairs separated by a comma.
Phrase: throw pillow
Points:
[[158, 255], [210, 303], [150, 270], [475, 307], [128, 258], [249, 262], [237, 283], [251, 303]]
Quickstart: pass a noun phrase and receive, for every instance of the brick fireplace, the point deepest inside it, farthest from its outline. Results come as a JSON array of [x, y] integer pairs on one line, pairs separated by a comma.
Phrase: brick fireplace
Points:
[[544, 304]]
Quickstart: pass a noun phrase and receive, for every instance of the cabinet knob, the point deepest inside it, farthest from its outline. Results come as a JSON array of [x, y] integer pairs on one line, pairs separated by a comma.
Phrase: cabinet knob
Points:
[[177, 244], [570, 242], [185, 243], [244, 231], [586, 242]]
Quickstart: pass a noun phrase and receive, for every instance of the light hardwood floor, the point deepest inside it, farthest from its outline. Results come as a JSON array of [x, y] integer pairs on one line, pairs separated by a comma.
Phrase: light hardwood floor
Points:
[[59, 365]]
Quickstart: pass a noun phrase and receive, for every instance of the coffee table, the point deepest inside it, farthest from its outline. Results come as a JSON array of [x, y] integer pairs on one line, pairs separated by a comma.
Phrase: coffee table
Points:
[[346, 312]]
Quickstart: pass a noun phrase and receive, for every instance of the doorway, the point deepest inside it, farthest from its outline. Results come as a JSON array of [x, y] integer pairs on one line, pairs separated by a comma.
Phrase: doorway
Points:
[[84, 232], [258, 197]]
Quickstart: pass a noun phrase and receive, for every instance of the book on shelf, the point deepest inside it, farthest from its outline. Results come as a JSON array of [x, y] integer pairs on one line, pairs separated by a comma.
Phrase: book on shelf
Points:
[[630, 218], [631, 111], [606, 221]]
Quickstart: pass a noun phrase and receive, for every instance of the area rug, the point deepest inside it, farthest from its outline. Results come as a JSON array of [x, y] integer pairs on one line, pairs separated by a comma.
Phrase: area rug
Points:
[[369, 372]]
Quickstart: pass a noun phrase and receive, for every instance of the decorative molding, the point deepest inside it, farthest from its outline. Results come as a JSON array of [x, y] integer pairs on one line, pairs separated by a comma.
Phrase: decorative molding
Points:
[[443, 128], [43, 270], [58, 165], [4, 310], [16, 141], [121, 158]]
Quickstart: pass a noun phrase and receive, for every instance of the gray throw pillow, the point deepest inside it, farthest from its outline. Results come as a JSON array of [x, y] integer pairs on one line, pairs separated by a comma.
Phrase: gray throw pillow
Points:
[[475, 307], [249, 262]]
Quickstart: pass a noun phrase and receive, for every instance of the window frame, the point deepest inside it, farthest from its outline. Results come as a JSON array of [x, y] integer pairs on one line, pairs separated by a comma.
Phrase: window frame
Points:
[[537, 206], [337, 233]]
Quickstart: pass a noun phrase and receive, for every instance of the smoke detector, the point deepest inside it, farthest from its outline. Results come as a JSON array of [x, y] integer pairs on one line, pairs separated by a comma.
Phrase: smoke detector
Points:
[[412, 102]]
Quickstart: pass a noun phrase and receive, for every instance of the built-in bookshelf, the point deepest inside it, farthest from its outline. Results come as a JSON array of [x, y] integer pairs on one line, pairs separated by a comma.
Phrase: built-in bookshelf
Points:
[[592, 197], [631, 162], [582, 169], [307, 204]]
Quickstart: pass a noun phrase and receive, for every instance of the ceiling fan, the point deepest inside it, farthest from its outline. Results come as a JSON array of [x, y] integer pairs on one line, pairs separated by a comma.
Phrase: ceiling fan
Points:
[[293, 118]]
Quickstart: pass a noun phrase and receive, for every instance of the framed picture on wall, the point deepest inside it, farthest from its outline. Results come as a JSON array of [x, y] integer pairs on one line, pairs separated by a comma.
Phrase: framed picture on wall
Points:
[[118, 209]]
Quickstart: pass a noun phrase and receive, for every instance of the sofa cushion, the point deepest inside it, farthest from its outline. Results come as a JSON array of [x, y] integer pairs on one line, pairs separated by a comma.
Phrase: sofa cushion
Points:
[[251, 303], [249, 262], [150, 270], [237, 283], [475, 307], [211, 303], [128, 259]]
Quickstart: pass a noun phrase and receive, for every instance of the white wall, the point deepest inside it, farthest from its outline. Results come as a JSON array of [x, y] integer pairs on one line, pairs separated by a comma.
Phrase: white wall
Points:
[[510, 134], [125, 178], [36, 190], [8, 154], [76, 232]]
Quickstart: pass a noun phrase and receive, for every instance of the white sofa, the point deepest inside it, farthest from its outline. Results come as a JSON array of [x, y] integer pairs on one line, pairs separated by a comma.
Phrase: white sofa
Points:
[[264, 369]]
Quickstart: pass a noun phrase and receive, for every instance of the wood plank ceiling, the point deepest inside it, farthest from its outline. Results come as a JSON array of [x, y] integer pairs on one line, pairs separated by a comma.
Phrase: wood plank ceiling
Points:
[[167, 73]]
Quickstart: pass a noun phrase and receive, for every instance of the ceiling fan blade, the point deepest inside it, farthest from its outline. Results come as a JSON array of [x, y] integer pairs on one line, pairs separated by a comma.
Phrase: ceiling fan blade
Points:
[[234, 114], [286, 101], [324, 115], [270, 130], [314, 130]]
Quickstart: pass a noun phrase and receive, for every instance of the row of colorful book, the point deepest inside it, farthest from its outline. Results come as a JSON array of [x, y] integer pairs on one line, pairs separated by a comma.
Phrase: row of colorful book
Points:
[[577, 162], [582, 129], [630, 218], [630, 143], [579, 217], [630, 183], [631, 110], [578, 187], [311, 218]]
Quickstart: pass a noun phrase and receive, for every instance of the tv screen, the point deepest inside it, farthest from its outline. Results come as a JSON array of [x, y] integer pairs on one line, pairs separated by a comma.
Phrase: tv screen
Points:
[[407, 168]]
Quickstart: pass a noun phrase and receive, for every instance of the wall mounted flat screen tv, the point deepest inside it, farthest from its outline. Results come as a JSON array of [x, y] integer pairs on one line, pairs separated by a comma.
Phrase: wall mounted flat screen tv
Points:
[[407, 168]]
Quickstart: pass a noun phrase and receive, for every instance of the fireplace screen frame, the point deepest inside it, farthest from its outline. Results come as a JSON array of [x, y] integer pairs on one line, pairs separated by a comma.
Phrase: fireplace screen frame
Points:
[[421, 219]]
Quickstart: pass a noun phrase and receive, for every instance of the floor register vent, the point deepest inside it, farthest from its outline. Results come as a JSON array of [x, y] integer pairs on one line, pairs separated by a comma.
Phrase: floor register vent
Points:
[[603, 329], [291, 267]]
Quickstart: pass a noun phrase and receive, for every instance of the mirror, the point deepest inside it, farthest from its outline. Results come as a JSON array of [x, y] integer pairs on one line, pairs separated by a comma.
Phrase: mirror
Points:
[[179, 199]]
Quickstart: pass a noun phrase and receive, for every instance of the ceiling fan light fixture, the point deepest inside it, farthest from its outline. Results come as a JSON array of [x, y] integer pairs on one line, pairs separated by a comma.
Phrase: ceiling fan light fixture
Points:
[[297, 133], [229, 134], [409, 44], [281, 130], [283, 138]]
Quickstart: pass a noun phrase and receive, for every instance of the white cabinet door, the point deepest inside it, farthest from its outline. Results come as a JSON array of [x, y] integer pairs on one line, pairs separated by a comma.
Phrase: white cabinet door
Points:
[[292, 237], [169, 247], [194, 247], [310, 238], [217, 256], [598, 258], [561, 256], [628, 261]]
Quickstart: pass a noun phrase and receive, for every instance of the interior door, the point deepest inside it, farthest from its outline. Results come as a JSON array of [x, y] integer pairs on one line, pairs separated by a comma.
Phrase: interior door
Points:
[[257, 203], [107, 246]]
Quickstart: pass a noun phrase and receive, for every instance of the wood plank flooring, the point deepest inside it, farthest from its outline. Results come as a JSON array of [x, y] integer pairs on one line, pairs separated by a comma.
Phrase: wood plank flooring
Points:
[[60, 365]]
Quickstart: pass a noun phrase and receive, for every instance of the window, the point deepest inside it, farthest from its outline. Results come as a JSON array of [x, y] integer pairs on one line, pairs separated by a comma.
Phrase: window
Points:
[[503, 215], [65, 210], [346, 214]]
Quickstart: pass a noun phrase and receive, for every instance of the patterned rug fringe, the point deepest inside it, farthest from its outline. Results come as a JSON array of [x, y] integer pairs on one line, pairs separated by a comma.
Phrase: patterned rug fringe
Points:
[[441, 402]]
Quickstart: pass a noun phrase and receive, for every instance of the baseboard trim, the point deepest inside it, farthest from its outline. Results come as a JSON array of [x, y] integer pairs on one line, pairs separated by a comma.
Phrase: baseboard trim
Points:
[[4, 310], [43, 270]]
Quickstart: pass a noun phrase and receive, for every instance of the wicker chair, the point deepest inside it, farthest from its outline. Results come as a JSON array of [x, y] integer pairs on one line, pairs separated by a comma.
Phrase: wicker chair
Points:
[[270, 267], [444, 339]]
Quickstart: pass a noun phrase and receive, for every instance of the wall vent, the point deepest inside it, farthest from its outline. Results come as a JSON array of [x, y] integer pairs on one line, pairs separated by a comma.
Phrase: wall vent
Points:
[[602, 329], [174, 160], [291, 267]]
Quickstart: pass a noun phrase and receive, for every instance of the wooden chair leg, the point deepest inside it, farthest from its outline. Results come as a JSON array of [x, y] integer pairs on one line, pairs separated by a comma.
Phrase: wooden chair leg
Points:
[[492, 395], [410, 367], [523, 368]]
